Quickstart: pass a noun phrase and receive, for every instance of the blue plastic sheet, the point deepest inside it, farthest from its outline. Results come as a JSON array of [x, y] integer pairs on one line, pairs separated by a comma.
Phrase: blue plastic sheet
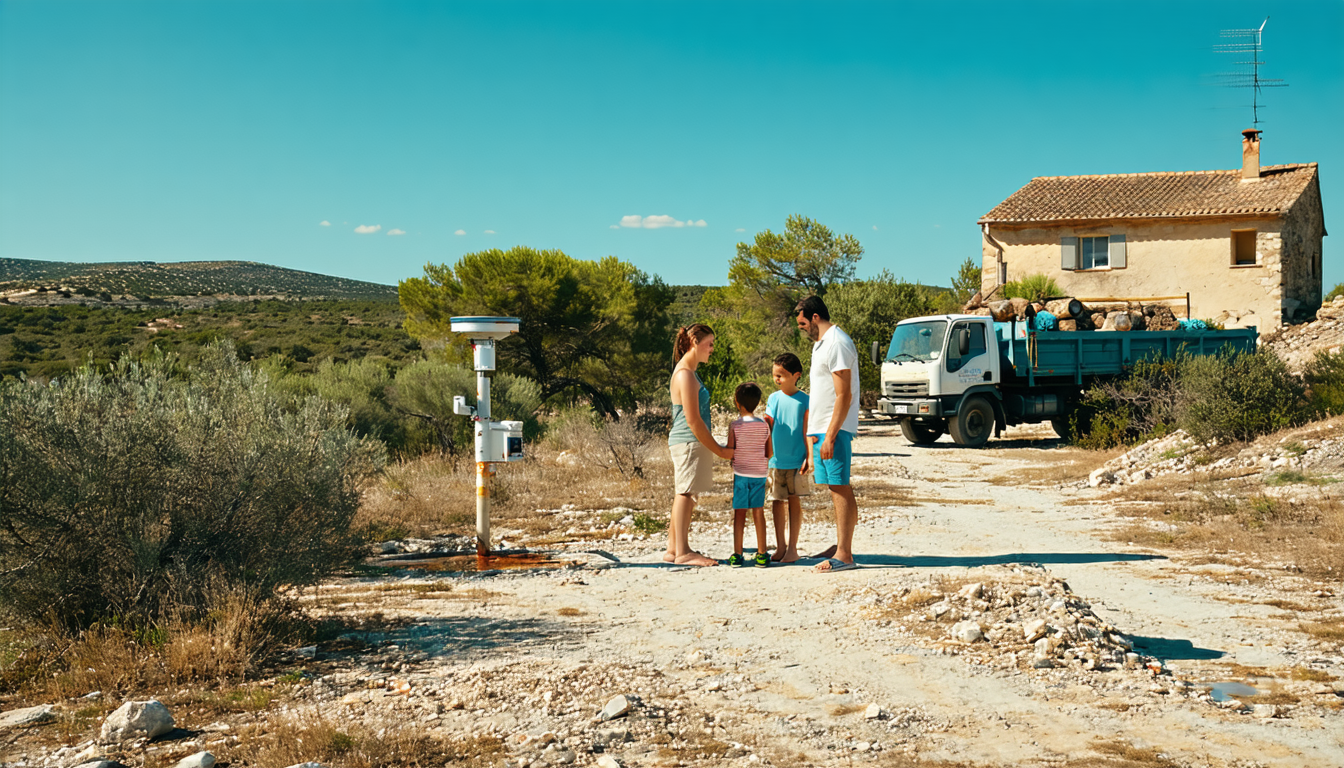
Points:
[[1045, 321], [1194, 324]]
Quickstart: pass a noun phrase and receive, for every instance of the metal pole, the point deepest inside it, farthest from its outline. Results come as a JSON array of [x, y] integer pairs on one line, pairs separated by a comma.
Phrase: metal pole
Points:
[[483, 471]]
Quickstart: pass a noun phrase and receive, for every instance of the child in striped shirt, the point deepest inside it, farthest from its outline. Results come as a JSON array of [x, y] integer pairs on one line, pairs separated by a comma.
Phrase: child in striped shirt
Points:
[[749, 437]]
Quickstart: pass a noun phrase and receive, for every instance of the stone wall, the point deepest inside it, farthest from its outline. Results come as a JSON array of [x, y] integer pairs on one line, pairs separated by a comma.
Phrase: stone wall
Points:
[[1303, 228]]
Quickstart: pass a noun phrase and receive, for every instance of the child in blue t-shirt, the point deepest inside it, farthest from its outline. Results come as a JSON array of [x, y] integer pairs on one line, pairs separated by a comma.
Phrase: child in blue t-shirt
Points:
[[786, 410]]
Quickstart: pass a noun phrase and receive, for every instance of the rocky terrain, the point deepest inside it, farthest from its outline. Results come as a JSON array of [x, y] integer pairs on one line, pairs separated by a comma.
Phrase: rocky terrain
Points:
[[1298, 344], [995, 621]]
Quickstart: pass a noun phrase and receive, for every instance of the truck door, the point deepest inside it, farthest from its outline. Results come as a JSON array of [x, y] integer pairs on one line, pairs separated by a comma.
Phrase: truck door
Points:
[[963, 371]]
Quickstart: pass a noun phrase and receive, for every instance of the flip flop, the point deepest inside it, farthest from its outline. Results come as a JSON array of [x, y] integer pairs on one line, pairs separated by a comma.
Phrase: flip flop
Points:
[[838, 565]]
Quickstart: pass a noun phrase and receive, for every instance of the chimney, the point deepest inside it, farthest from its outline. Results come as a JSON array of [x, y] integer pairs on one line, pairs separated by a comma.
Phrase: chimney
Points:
[[1250, 155]]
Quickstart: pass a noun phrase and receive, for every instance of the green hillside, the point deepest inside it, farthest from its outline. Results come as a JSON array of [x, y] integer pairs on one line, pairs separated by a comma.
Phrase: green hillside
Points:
[[187, 278]]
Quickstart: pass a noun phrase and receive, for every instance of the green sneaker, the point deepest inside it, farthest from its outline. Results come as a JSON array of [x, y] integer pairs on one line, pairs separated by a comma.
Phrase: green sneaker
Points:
[[761, 560], [736, 560]]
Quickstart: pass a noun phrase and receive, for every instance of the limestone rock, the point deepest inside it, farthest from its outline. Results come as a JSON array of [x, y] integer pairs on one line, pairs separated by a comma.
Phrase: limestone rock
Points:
[[607, 761], [137, 719], [1034, 630], [615, 708], [198, 760], [967, 632], [16, 718], [873, 712]]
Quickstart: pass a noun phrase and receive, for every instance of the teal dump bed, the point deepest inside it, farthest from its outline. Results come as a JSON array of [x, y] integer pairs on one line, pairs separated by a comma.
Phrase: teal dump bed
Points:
[[1078, 354]]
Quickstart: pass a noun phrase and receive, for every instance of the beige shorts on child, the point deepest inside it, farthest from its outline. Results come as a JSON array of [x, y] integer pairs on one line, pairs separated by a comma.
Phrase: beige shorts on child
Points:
[[787, 482], [693, 468]]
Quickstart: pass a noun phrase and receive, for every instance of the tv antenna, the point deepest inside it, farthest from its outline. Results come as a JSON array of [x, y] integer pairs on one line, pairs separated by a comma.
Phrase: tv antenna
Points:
[[1249, 43]]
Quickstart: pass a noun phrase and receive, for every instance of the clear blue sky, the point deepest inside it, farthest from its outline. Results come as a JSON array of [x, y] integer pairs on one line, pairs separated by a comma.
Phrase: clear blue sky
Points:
[[172, 131]]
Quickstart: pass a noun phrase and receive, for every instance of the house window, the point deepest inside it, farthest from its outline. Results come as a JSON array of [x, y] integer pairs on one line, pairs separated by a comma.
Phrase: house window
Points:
[[1243, 247], [1106, 252], [1095, 252]]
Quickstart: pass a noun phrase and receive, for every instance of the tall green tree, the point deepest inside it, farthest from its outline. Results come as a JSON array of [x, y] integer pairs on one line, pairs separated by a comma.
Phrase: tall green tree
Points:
[[868, 310], [597, 328], [805, 258], [966, 283]]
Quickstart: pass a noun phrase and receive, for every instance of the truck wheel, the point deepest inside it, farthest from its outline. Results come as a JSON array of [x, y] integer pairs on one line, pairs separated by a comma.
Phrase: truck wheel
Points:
[[921, 434], [973, 425]]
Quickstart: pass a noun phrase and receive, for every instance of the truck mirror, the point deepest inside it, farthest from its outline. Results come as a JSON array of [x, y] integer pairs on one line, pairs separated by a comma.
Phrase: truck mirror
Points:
[[877, 353], [963, 342]]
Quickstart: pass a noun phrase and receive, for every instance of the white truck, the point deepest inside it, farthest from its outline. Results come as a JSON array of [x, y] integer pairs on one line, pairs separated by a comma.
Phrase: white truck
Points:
[[970, 376]]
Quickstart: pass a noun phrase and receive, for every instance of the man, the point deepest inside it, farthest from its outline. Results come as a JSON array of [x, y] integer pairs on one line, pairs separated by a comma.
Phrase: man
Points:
[[832, 423]]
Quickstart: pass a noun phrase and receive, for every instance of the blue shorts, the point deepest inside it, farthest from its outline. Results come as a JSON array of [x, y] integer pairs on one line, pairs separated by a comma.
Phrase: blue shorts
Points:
[[835, 470], [748, 492]]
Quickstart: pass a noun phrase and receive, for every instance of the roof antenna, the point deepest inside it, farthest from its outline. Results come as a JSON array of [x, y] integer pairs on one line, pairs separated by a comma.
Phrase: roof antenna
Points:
[[1247, 42]]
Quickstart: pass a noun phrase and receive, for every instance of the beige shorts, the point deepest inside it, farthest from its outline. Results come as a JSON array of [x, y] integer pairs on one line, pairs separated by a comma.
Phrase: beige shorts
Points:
[[784, 483], [693, 466]]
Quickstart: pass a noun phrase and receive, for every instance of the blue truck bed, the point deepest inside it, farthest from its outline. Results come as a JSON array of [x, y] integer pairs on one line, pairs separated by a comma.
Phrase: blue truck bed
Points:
[[1079, 354]]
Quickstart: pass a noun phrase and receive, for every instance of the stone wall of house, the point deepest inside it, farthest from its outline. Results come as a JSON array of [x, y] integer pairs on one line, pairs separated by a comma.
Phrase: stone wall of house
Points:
[[1166, 258], [1303, 228]]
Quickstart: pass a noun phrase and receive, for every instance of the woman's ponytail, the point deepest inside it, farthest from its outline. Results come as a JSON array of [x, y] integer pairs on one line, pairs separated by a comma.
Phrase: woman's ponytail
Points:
[[687, 337]]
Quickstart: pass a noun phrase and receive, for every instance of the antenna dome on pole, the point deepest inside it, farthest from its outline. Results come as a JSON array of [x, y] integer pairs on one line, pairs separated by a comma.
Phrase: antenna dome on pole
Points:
[[484, 326]]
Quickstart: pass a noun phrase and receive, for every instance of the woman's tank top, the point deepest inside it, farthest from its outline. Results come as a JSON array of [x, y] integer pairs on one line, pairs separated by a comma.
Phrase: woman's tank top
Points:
[[681, 431]]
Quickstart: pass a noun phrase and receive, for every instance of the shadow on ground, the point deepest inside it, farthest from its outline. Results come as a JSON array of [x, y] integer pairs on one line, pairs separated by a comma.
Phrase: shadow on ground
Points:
[[1167, 648], [458, 635], [1024, 558]]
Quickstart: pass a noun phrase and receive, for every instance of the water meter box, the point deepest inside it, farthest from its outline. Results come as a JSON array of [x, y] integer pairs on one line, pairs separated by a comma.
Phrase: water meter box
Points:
[[499, 441]]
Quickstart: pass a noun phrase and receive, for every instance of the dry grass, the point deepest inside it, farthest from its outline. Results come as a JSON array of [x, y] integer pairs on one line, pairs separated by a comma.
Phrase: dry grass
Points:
[[1130, 755], [1330, 630], [1306, 534], [224, 647], [313, 738], [840, 710], [569, 611], [1307, 674], [1057, 467]]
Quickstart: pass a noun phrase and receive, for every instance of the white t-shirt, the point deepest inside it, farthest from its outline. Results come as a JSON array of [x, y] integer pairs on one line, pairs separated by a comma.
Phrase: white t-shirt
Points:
[[835, 352]]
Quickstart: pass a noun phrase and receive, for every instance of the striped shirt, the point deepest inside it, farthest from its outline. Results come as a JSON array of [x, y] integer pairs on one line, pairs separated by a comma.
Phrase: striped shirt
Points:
[[751, 435]]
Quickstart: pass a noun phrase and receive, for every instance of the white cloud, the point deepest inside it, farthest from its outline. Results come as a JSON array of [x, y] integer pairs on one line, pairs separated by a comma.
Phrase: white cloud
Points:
[[460, 232], [396, 231], [657, 222], [739, 229], [489, 231], [874, 227], [325, 223], [366, 229]]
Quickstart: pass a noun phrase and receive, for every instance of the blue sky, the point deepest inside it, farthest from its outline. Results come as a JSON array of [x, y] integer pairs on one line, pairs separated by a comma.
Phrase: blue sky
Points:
[[173, 131]]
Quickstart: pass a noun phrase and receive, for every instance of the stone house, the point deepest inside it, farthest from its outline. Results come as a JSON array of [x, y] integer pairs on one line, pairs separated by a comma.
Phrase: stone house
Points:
[[1244, 244]]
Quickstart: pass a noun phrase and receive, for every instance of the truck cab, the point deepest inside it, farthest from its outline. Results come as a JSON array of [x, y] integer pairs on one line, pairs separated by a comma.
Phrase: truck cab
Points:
[[932, 368]]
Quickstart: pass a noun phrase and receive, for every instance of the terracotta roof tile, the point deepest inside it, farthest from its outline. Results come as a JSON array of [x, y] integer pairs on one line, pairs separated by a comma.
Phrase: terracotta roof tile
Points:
[[1154, 195]]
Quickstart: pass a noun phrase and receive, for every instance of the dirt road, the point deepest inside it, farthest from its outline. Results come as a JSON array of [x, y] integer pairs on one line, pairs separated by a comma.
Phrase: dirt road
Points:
[[784, 666]]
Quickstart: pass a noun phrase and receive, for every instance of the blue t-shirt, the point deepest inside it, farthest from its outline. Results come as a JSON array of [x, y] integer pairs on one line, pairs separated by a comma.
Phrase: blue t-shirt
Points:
[[788, 437]]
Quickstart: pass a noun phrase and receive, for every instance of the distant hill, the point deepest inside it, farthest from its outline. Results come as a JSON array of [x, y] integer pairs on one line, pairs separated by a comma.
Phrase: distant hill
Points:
[[148, 279]]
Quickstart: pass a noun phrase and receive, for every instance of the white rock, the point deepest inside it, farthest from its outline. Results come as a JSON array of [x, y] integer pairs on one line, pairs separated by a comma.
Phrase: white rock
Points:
[[615, 708], [940, 608], [607, 761], [862, 746], [198, 760], [1266, 710], [972, 591], [1034, 630], [1100, 476], [15, 718], [873, 712], [137, 719], [967, 632]]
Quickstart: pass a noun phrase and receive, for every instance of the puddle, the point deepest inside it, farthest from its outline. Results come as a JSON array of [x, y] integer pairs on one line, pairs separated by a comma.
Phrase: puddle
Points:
[[476, 563], [1226, 691]]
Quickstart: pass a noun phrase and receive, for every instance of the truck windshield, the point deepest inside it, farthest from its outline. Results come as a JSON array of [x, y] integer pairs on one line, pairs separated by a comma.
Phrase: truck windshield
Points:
[[917, 341]]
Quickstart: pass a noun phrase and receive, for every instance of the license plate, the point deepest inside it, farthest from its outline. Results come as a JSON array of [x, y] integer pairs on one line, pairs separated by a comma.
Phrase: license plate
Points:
[[899, 408]]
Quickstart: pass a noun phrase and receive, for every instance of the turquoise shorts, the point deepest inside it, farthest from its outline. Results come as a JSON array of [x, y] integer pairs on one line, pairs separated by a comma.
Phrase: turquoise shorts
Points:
[[748, 492], [835, 470]]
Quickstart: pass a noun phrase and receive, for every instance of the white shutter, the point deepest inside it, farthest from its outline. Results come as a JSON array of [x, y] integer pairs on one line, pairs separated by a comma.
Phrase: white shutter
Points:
[[1068, 253], [1117, 251]]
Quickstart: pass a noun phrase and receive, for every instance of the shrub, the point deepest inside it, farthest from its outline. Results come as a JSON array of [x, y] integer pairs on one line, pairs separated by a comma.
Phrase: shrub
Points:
[[424, 391], [1238, 397], [1132, 409], [136, 493], [1032, 287], [1325, 382], [1334, 293]]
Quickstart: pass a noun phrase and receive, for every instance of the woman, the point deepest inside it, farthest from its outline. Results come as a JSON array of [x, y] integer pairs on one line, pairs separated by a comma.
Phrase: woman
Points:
[[693, 447]]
